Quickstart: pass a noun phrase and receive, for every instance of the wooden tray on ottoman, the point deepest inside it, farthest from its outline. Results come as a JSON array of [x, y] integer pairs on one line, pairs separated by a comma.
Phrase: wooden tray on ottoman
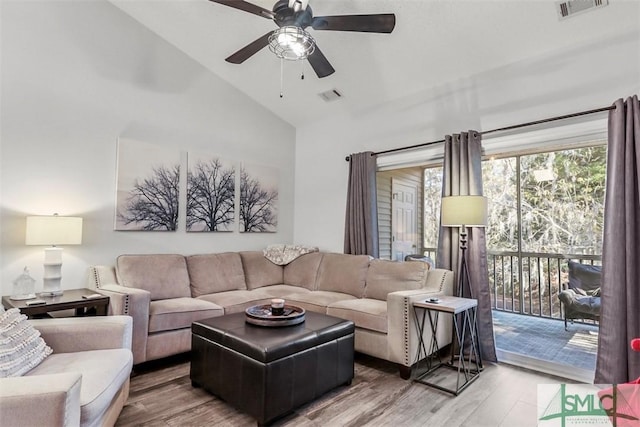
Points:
[[261, 315]]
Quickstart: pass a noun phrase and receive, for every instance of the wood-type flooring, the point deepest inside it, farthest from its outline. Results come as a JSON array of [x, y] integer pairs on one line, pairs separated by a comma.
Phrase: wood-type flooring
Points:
[[161, 395]]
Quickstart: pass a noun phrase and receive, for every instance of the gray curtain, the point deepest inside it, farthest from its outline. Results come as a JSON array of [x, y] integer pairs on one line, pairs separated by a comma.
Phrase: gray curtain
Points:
[[361, 222], [620, 290], [462, 176]]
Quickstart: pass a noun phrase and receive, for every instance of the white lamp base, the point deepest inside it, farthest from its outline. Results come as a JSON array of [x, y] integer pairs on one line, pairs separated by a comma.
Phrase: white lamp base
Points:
[[52, 272]]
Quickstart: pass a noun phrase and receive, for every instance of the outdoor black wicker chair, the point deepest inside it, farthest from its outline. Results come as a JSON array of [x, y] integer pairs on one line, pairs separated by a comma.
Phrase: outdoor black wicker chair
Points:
[[580, 298]]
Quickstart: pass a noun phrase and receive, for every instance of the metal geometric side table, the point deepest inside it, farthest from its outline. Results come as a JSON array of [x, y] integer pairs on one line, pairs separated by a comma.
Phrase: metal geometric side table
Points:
[[466, 361]]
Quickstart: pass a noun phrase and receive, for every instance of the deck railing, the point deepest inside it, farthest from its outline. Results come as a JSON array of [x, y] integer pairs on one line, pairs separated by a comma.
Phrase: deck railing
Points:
[[529, 282]]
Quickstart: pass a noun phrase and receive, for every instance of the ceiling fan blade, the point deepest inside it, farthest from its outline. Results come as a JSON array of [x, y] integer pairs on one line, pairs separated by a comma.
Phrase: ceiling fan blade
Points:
[[380, 23], [320, 64], [247, 7], [249, 50]]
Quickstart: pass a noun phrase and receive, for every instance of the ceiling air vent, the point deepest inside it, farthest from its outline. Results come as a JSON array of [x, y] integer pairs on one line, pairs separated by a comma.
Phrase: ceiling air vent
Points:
[[570, 8], [330, 95]]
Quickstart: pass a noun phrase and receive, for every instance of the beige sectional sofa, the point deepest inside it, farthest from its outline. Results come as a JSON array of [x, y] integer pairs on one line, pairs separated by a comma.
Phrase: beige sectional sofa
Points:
[[165, 293]]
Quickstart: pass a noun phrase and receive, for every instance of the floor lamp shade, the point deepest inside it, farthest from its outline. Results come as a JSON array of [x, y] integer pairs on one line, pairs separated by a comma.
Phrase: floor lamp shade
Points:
[[463, 212], [53, 231], [468, 211]]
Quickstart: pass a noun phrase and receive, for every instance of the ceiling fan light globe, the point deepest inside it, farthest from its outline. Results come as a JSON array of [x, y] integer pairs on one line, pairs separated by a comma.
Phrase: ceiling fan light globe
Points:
[[285, 40], [291, 43]]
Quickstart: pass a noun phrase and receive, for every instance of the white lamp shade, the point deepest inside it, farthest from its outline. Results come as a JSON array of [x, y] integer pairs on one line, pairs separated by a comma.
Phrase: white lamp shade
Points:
[[470, 211], [53, 230]]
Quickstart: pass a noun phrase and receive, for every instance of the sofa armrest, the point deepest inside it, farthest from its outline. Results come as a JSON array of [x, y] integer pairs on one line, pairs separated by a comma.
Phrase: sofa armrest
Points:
[[135, 303], [41, 400], [125, 300], [402, 329], [567, 296], [72, 334], [100, 275], [439, 280], [103, 279]]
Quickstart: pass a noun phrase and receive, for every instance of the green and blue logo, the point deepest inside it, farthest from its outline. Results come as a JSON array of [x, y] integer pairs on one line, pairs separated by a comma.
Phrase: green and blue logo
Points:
[[585, 407]]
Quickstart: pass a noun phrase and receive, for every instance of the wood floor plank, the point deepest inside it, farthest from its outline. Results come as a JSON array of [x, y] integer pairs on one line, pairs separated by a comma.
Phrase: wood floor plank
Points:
[[162, 396], [174, 397], [503, 389], [522, 414]]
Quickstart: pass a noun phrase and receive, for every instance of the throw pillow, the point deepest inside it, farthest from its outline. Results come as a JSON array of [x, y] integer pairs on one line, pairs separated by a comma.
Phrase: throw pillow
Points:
[[21, 346]]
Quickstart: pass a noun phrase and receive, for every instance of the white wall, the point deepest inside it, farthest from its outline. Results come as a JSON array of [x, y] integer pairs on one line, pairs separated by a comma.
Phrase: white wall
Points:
[[582, 78], [75, 77]]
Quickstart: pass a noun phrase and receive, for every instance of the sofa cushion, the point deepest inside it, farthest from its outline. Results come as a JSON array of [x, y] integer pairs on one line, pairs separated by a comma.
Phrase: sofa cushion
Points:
[[589, 305], [303, 271], [211, 273], [259, 271], [283, 291], [385, 276], [364, 312], [236, 301], [21, 346], [179, 313], [343, 273], [163, 276], [584, 276], [316, 301], [103, 374]]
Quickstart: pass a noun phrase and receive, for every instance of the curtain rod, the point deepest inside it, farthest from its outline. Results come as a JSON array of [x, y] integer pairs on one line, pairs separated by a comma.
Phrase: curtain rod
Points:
[[521, 125]]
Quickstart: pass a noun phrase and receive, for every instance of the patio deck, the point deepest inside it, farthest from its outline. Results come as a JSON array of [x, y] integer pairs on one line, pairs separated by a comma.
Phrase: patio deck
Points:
[[545, 340]]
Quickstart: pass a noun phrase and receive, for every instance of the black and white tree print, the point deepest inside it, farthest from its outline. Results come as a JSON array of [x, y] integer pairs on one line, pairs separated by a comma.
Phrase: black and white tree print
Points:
[[258, 199], [147, 187], [153, 202], [210, 195]]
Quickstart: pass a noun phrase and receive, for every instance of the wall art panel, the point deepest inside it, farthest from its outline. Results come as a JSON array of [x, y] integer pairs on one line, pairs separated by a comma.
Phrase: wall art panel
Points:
[[210, 193], [147, 187], [258, 198]]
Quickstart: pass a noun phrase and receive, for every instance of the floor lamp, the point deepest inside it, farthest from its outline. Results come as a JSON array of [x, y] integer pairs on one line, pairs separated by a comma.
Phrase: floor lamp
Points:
[[53, 230], [463, 212]]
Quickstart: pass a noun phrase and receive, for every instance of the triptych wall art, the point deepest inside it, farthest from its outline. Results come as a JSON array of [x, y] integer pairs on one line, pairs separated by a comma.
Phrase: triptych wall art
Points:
[[221, 195]]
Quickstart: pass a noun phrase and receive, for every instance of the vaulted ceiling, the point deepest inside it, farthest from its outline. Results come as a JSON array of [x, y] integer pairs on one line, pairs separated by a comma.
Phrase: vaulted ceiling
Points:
[[434, 42]]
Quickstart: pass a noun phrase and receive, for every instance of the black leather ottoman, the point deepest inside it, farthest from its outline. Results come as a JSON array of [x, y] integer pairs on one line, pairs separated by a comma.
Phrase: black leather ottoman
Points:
[[268, 372]]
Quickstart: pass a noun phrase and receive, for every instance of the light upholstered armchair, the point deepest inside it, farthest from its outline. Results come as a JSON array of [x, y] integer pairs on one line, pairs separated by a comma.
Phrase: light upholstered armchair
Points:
[[84, 382]]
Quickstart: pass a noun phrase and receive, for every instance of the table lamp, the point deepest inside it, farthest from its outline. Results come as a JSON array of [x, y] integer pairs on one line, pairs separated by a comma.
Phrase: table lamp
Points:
[[463, 212], [53, 230]]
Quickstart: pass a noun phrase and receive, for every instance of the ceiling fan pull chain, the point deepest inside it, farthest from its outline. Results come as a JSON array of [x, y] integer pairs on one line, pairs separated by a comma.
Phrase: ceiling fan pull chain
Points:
[[281, 77], [301, 70]]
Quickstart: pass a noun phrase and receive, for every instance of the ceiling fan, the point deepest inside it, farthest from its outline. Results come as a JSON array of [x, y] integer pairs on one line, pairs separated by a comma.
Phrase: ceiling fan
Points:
[[291, 41]]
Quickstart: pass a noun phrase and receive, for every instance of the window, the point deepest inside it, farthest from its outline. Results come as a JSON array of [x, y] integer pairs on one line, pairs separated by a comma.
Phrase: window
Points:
[[543, 208], [432, 196], [560, 205]]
